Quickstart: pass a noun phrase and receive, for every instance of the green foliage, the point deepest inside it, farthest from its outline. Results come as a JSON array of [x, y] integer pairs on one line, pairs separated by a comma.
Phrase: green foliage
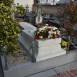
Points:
[[7, 2], [20, 10], [71, 12], [9, 31], [69, 21], [69, 15], [5, 14]]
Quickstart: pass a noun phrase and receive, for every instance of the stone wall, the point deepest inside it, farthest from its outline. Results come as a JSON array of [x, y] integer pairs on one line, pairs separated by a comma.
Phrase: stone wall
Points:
[[25, 2], [49, 9]]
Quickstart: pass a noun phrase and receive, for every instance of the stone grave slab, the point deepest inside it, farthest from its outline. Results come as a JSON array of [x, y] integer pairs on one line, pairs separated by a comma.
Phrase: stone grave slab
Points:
[[26, 26]]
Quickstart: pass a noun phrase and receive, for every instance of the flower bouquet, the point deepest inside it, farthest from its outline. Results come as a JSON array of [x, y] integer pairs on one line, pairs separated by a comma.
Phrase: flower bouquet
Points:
[[47, 32]]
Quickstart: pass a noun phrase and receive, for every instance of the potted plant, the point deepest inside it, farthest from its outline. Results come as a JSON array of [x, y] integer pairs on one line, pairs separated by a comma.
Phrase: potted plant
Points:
[[20, 12]]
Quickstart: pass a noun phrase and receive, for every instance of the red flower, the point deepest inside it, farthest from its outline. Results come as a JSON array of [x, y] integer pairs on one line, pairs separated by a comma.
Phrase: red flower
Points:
[[75, 33], [43, 24], [58, 36], [41, 34], [49, 29], [36, 37], [48, 24], [70, 7], [68, 22]]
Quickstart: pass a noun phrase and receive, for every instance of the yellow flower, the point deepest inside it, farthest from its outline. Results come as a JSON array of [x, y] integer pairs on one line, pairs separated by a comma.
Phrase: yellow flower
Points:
[[64, 43]]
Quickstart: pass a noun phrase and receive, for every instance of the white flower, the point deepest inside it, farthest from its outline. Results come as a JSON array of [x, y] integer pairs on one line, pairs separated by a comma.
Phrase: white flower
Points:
[[46, 24], [44, 27], [50, 32], [38, 32], [54, 28], [58, 32], [49, 36], [40, 29], [41, 37], [54, 32]]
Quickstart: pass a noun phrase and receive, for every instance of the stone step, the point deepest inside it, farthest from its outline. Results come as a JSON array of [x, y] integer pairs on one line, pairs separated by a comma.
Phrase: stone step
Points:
[[70, 67], [29, 68], [55, 54], [47, 73]]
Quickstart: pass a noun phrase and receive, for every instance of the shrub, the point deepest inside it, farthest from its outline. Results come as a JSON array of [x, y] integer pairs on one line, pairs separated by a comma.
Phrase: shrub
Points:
[[9, 31]]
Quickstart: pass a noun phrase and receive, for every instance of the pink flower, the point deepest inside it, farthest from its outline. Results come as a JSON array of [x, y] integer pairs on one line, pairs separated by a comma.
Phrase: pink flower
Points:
[[75, 33], [68, 22], [70, 7]]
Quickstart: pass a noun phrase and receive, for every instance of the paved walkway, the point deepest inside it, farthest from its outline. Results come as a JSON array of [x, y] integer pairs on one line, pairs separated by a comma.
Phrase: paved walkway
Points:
[[67, 70], [71, 73]]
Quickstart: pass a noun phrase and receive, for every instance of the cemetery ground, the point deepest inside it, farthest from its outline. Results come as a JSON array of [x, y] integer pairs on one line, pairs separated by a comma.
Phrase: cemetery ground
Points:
[[40, 50], [67, 70], [45, 68]]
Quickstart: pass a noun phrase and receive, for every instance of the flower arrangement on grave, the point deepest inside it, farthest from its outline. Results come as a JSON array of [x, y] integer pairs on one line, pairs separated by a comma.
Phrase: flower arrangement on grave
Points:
[[47, 32], [41, 25]]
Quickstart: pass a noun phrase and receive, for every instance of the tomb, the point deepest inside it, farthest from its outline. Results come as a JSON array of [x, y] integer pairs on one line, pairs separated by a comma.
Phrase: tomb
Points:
[[43, 49]]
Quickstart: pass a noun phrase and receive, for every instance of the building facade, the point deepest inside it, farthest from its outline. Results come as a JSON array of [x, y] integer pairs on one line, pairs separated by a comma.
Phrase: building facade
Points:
[[54, 2]]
